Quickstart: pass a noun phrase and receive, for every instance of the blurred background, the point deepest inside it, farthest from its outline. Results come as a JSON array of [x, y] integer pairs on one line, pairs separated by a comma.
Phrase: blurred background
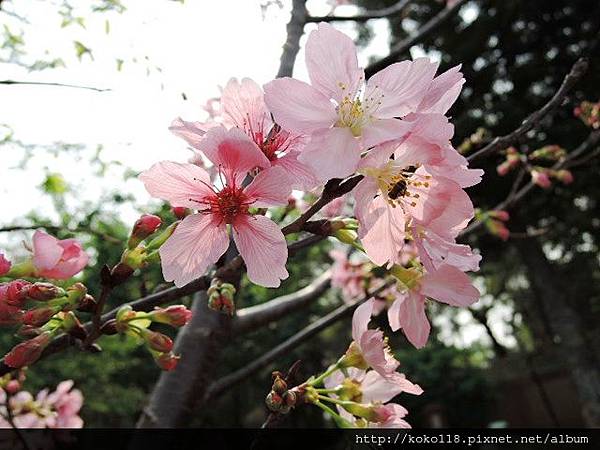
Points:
[[71, 154]]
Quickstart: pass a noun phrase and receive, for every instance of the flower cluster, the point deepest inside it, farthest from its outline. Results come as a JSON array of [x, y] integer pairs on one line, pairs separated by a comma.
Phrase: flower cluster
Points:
[[589, 113], [540, 175], [57, 409]]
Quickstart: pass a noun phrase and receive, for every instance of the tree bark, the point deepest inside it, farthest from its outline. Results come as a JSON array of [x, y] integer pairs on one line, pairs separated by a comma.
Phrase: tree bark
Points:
[[567, 326]]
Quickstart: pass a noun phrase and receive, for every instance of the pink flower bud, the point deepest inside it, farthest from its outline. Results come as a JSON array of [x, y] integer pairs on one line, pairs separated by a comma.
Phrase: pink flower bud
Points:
[[143, 227], [564, 176], [166, 361], [157, 341], [174, 315], [5, 265], [181, 212], [27, 352], [503, 168], [44, 291], [57, 259], [13, 386], [541, 178], [39, 316], [14, 293], [500, 215], [498, 228]]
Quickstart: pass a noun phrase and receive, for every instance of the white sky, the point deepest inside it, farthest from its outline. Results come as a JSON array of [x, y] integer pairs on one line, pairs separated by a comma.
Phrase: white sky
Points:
[[197, 46]]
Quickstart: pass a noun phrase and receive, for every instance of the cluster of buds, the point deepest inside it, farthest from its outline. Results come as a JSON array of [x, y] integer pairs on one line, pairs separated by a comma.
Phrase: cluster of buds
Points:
[[548, 153], [221, 296], [480, 136], [141, 250], [495, 221], [137, 323], [543, 176], [281, 400], [513, 160], [589, 113]]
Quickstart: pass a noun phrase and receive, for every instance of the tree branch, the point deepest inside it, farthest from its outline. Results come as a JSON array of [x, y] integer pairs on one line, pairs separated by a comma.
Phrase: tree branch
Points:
[[500, 143], [42, 83], [365, 16], [253, 317], [295, 29], [404, 45], [306, 333]]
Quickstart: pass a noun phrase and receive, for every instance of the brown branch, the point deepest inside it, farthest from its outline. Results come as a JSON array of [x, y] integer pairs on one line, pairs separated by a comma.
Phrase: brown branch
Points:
[[291, 343], [253, 317], [295, 29], [500, 143], [42, 83], [403, 46], [364, 16]]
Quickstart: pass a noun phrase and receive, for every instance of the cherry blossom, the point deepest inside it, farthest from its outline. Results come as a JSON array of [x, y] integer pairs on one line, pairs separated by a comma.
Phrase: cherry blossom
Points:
[[201, 238], [57, 259], [341, 120]]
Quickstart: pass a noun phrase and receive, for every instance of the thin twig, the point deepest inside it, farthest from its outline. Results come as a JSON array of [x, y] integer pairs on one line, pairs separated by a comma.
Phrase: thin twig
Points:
[[500, 143], [43, 83], [424, 31], [306, 333], [364, 16]]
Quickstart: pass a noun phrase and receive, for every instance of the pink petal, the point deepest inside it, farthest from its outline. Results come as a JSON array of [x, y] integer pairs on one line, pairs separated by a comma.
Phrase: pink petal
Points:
[[232, 151], [383, 130], [263, 248], [435, 251], [401, 86], [192, 132], [443, 92], [449, 285], [271, 187], [361, 319], [180, 184], [243, 102], [46, 250], [408, 312], [299, 107], [299, 174], [332, 64], [332, 153], [382, 228], [198, 242]]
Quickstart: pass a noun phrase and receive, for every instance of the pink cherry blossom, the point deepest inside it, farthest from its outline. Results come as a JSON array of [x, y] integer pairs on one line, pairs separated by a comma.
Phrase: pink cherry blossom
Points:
[[390, 416], [393, 197], [370, 344], [435, 251], [202, 238], [447, 284], [349, 276], [5, 264], [341, 121], [541, 178], [57, 259], [243, 107]]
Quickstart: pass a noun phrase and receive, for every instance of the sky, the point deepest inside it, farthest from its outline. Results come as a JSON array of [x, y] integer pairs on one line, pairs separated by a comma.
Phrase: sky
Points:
[[191, 48]]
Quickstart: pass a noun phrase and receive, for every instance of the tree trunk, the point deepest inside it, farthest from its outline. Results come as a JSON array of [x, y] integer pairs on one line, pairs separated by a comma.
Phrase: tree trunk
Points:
[[566, 325]]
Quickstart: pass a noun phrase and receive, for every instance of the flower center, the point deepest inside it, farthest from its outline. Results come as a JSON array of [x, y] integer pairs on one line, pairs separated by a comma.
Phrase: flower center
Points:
[[354, 113], [229, 203]]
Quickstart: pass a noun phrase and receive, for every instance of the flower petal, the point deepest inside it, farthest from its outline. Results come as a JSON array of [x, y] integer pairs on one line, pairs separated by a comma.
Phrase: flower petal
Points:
[[383, 130], [401, 86], [443, 92], [263, 248], [192, 132], [361, 319], [299, 107], [244, 103], [198, 242], [408, 312], [299, 174], [178, 183], [271, 187], [449, 285], [46, 250], [332, 63], [332, 153]]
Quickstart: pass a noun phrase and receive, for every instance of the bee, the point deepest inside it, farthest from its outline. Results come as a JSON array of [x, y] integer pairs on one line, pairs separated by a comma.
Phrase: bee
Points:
[[398, 189]]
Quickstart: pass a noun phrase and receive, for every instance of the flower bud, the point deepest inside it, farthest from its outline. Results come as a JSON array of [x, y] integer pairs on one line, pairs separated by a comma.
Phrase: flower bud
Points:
[[121, 272], [503, 168], [76, 293], [166, 361], [12, 387], [499, 214], [143, 227], [564, 176], [27, 352], [4, 265], [87, 304], [42, 292], [14, 293], [157, 341], [497, 228], [279, 384], [109, 327], [346, 236], [274, 401], [220, 297], [39, 316], [174, 315], [162, 237], [132, 259], [181, 212], [541, 178]]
